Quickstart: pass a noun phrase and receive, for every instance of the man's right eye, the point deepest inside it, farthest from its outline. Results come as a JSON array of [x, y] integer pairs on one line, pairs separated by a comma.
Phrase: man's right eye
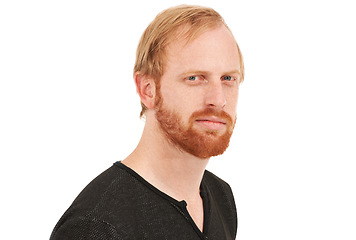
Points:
[[195, 79]]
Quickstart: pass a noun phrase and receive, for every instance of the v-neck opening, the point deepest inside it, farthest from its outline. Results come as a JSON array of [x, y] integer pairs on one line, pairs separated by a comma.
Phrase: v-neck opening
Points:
[[182, 205]]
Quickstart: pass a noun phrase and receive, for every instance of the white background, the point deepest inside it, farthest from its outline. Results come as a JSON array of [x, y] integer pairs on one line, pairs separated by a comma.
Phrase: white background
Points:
[[69, 110]]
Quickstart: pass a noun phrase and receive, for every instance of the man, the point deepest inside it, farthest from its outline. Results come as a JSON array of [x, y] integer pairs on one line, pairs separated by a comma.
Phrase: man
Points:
[[187, 73]]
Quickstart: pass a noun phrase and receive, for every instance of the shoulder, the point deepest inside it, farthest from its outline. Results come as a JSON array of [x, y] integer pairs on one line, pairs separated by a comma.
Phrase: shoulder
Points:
[[99, 207], [221, 201], [102, 188], [219, 190], [216, 184]]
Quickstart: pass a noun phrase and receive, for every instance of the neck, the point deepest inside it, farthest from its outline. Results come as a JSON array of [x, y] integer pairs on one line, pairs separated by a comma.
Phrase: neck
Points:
[[171, 170]]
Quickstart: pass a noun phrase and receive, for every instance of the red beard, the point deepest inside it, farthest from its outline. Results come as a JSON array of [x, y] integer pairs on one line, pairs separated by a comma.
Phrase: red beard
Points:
[[202, 144]]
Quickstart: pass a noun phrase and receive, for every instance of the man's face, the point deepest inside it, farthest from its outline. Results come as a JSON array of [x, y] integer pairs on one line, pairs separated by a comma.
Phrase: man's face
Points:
[[196, 102]]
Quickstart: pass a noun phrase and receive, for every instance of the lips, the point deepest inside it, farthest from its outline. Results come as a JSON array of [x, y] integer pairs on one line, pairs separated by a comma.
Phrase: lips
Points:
[[212, 119], [211, 123]]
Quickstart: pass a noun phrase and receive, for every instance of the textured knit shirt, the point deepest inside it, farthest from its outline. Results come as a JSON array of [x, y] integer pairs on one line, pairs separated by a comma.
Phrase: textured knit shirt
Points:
[[119, 204]]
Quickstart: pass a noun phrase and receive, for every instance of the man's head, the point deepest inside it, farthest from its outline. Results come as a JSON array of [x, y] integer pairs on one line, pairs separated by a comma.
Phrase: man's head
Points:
[[181, 22], [189, 79]]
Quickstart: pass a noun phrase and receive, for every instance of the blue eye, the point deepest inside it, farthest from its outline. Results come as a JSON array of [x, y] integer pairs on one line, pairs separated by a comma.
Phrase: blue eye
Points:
[[227, 78], [192, 78]]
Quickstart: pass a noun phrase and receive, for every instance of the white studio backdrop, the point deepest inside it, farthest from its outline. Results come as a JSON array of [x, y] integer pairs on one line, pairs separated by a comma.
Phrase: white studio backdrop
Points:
[[68, 110]]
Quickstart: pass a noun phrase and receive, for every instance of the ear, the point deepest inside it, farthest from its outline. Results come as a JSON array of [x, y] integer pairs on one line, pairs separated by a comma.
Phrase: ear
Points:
[[146, 89]]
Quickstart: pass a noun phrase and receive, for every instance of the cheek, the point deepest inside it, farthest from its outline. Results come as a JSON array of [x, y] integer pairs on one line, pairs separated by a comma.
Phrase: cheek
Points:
[[231, 100], [181, 98]]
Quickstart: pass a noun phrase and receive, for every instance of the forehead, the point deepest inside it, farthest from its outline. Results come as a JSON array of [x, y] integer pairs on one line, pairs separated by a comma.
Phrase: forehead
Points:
[[213, 49]]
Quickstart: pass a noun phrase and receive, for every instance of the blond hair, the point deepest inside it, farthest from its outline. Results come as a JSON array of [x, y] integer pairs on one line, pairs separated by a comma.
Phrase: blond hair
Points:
[[191, 20]]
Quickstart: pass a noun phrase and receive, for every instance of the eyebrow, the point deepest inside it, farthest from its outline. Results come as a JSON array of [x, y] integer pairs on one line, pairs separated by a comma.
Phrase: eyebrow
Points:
[[233, 72]]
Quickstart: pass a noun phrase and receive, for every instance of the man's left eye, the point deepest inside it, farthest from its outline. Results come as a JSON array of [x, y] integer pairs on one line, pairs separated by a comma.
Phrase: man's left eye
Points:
[[228, 78], [193, 78]]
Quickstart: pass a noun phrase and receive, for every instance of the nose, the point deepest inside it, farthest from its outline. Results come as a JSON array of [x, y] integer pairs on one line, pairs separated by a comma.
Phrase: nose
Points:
[[215, 96]]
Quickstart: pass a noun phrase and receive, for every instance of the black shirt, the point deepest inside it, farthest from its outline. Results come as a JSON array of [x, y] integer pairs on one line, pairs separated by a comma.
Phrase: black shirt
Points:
[[119, 204]]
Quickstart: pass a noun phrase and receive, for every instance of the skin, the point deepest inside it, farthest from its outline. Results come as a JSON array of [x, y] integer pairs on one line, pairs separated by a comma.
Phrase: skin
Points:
[[203, 74]]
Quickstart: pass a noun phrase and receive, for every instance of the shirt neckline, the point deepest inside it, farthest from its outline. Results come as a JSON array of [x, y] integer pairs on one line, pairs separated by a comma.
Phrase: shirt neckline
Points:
[[153, 188], [147, 184], [181, 204]]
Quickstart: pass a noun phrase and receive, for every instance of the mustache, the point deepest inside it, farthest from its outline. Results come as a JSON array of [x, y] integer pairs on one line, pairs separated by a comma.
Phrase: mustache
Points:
[[210, 112]]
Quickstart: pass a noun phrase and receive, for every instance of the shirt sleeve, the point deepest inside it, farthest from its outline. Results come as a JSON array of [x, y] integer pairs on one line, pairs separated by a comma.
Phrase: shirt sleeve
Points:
[[84, 228]]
